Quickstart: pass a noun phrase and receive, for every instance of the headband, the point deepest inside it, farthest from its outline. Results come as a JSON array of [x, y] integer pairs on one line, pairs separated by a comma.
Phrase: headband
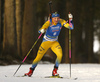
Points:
[[55, 14]]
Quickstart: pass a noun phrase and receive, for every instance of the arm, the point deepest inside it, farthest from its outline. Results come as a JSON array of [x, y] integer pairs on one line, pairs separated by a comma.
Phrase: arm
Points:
[[66, 24], [44, 27]]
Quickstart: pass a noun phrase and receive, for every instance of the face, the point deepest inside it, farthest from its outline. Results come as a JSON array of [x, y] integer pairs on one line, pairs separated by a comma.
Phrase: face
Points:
[[55, 19]]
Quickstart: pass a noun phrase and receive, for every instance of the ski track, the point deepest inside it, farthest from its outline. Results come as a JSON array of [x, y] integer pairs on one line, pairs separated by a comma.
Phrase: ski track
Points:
[[84, 73]]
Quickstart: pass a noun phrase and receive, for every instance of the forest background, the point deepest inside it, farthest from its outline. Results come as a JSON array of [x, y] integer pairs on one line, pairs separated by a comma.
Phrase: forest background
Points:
[[20, 21]]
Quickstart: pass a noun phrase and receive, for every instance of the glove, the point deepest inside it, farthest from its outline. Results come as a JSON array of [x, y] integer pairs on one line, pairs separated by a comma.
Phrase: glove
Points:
[[41, 31], [70, 16]]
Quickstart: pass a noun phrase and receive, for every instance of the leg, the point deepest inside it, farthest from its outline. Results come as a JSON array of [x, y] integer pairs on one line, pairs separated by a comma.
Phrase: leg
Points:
[[56, 48], [41, 52]]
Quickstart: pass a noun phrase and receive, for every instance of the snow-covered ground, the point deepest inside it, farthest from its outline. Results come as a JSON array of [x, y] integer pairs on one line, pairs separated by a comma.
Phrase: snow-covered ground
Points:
[[84, 73]]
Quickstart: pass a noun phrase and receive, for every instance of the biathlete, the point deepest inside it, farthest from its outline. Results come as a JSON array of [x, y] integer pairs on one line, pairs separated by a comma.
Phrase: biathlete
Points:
[[51, 28]]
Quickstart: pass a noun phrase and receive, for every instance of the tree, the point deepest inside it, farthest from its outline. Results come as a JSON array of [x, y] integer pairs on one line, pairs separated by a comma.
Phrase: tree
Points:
[[9, 34], [1, 24], [77, 37], [89, 29], [19, 21], [29, 28], [0, 27]]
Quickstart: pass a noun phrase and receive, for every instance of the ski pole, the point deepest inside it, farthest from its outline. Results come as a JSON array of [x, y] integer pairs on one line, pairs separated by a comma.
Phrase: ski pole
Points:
[[70, 48], [28, 53]]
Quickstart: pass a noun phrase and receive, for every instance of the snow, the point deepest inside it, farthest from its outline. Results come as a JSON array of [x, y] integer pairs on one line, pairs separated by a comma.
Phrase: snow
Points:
[[84, 73]]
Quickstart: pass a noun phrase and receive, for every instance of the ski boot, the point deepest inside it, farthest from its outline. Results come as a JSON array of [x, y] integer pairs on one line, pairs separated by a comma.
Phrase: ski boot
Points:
[[54, 72], [29, 73]]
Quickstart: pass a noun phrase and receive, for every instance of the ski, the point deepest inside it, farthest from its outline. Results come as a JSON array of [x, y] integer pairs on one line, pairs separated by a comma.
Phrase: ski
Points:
[[16, 76], [21, 76], [53, 76], [60, 77]]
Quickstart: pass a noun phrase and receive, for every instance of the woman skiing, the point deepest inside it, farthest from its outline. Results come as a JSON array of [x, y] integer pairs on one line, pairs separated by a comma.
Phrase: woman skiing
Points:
[[51, 28]]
